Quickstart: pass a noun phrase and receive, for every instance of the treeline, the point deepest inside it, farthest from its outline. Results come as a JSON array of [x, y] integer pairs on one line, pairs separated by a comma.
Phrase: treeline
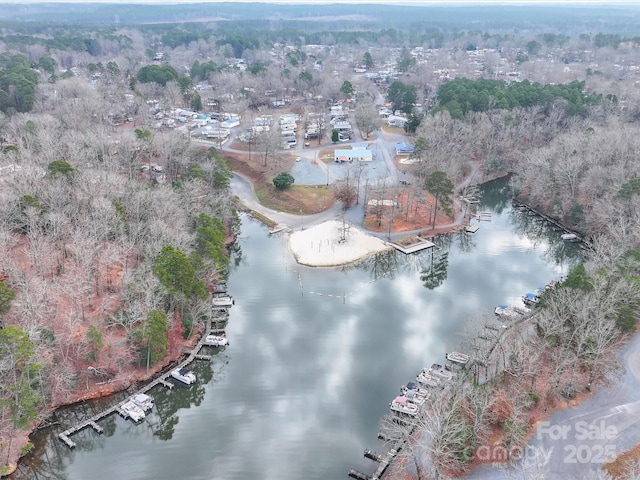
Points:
[[464, 95], [110, 259], [293, 32], [89, 44], [18, 83]]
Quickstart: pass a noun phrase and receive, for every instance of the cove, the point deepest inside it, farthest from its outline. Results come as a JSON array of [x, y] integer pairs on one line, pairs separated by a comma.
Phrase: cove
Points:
[[315, 357]]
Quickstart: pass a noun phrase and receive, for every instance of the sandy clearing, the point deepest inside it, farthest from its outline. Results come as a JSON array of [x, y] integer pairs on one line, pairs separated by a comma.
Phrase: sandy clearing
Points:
[[323, 245]]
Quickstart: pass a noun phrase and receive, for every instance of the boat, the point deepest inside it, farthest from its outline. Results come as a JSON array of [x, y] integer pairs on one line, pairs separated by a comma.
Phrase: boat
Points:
[[184, 375], [427, 378], [130, 410], [552, 284], [440, 371], [221, 301], [144, 401], [414, 393], [530, 298], [457, 358], [220, 288], [216, 340], [509, 311], [401, 404], [570, 237]]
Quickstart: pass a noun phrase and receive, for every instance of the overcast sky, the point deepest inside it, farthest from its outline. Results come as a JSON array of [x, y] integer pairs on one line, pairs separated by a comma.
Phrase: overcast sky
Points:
[[389, 2]]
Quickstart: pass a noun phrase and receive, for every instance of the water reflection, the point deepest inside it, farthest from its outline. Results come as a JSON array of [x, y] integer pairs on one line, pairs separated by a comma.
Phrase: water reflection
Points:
[[543, 233], [497, 195], [436, 274], [316, 355]]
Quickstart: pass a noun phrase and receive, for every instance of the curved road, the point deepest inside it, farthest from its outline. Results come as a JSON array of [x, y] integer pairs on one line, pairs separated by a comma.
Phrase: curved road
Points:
[[385, 143], [574, 442], [243, 188], [570, 443]]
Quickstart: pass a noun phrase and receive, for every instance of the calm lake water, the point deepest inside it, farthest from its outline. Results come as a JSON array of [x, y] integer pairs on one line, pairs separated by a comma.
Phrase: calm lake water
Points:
[[315, 357]]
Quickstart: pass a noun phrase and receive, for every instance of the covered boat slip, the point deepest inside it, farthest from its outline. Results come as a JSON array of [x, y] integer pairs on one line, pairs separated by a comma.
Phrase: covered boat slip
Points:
[[401, 404], [184, 375]]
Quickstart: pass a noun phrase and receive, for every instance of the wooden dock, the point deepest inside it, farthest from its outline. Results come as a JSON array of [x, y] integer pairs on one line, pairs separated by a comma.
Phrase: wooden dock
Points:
[[358, 475], [552, 221], [371, 455], [160, 380], [164, 383], [383, 459], [64, 436], [418, 244]]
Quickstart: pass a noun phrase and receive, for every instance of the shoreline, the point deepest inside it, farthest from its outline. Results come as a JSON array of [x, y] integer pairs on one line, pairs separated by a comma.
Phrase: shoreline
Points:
[[22, 438], [374, 244], [332, 244]]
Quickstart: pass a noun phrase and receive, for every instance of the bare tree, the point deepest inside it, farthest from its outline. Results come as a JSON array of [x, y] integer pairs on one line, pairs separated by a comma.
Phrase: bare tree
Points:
[[366, 115]]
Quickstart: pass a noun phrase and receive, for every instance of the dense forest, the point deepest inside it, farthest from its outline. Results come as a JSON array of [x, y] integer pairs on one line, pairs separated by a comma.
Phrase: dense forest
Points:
[[114, 224]]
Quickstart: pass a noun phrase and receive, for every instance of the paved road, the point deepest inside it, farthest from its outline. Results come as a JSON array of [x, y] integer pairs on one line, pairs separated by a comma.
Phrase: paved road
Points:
[[243, 188], [575, 441], [571, 443]]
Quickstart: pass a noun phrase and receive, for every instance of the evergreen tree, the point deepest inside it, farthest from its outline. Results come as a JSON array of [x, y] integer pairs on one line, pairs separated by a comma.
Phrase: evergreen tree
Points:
[[210, 235], [6, 297], [18, 376], [178, 274], [283, 180], [367, 60], [155, 335], [441, 187]]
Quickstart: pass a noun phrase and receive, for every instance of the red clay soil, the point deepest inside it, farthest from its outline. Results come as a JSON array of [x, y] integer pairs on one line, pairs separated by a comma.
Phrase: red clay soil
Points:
[[409, 214], [503, 395], [69, 290]]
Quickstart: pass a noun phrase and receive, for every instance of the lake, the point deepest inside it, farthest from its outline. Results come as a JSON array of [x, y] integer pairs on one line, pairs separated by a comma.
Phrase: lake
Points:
[[315, 357]]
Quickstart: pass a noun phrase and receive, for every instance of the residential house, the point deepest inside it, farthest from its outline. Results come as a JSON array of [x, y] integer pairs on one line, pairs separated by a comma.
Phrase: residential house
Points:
[[404, 148], [359, 155]]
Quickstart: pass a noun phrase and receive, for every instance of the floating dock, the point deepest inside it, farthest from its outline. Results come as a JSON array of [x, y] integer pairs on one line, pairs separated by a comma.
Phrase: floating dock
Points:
[[161, 380], [420, 244]]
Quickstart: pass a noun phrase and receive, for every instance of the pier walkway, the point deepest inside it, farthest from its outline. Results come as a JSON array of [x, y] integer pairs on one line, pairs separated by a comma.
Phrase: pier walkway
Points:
[[557, 225], [160, 380]]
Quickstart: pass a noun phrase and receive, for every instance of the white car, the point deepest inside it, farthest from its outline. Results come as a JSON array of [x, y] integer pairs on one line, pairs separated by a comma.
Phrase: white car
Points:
[[298, 159]]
